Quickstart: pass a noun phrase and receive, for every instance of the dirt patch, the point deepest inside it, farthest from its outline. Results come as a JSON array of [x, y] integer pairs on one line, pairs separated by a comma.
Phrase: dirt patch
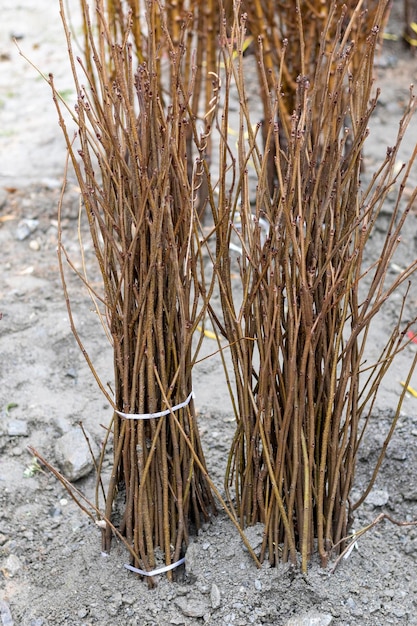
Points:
[[52, 571]]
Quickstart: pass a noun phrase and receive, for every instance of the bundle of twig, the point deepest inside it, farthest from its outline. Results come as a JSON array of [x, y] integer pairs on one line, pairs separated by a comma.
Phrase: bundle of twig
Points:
[[293, 37], [298, 334], [278, 25], [139, 200], [190, 27]]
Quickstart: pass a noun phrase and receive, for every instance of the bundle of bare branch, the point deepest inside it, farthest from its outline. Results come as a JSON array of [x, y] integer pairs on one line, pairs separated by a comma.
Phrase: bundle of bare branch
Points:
[[294, 37], [139, 200], [298, 332]]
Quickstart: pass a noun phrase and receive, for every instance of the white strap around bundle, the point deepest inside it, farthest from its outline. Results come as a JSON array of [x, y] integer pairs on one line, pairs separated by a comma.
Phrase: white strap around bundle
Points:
[[148, 416]]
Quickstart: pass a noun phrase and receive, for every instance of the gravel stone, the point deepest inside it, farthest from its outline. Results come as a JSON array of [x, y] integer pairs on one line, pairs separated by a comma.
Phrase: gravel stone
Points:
[[215, 596], [378, 497], [5, 614], [311, 618], [25, 228], [73, 454], [11, 566], [192, 607], [17, 428]]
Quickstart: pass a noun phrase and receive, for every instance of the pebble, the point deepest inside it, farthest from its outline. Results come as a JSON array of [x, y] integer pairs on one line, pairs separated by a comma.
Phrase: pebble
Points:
[[192, 607], [399, 611], [11, 566], [73, 454], [215, 596], [378, 497], [16, 451], [28, 534], [116, 598], [397, 452], [353, 607], [193, 559], [17, 428], [311, 618], [254, 535], [35, 245], [55, 512], [229, 552], [5, 614], [25, 228]]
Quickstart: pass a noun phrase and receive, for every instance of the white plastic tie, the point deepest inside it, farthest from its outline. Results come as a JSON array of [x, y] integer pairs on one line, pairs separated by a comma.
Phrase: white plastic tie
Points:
[[155, 572], [148, 416]]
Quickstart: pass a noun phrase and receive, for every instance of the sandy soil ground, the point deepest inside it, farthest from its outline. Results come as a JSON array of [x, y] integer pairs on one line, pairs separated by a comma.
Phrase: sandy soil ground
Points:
[[51, 570]]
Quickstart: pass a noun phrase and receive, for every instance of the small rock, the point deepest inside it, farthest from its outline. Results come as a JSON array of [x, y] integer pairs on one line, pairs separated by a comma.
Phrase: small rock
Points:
[[16, 451], [258, 584], [229, 552], [178, 621], [55, 512], [73, 454], [28, 534], [71, 372], [378, 497], [35, 245], [410, 547], [25, 228], [215, 596], [311, 618], [397, 453], [17, 428], [116, 598], [254, 535], [193, 559], [399, 611], [192, 607], [11, 566], [5, 614]]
